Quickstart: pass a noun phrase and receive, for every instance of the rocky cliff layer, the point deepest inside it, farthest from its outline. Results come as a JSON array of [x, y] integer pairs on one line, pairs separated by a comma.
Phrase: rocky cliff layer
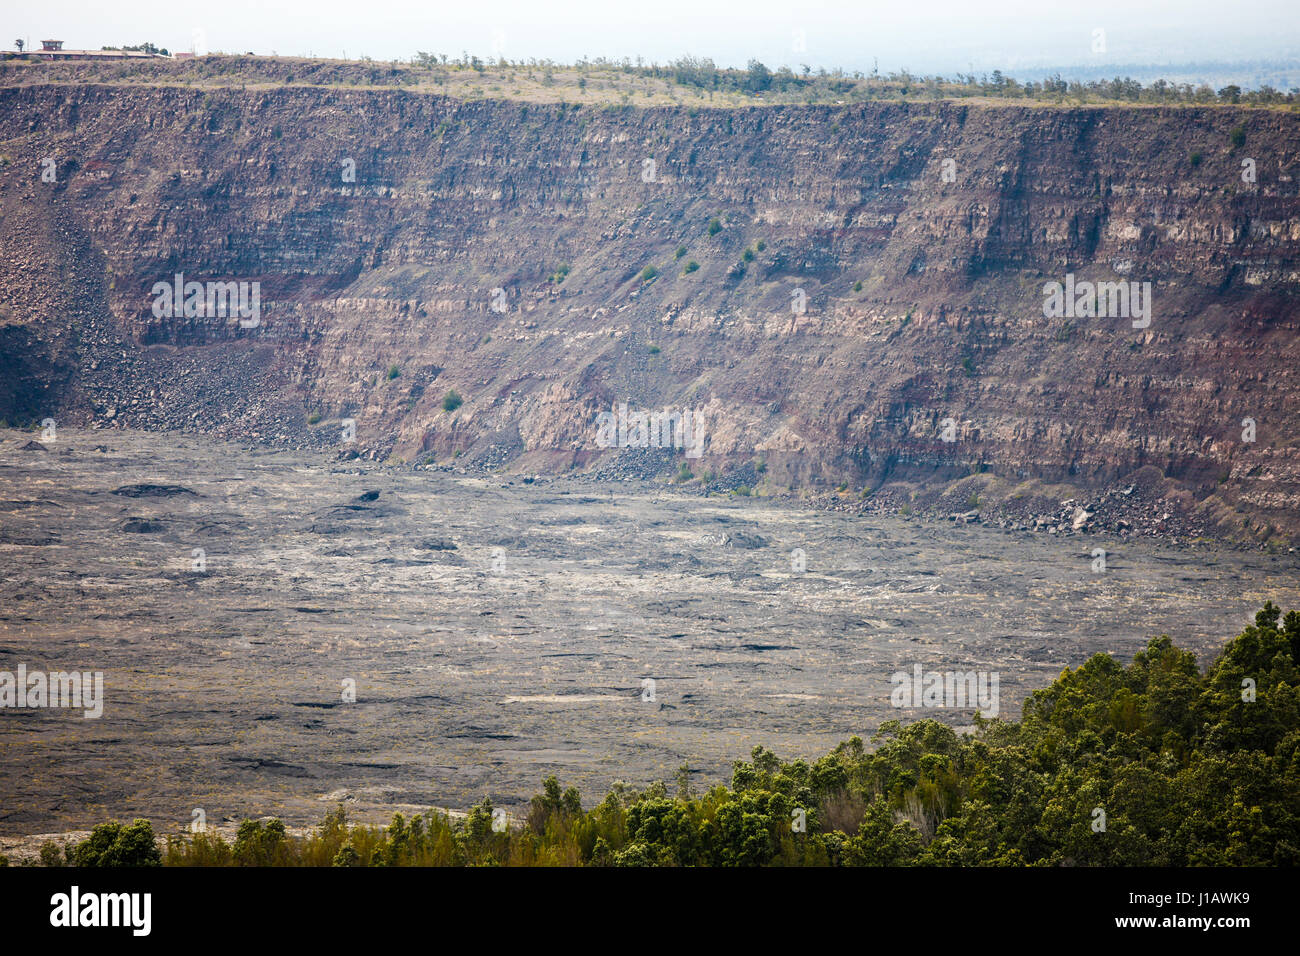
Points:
[[837, 290]]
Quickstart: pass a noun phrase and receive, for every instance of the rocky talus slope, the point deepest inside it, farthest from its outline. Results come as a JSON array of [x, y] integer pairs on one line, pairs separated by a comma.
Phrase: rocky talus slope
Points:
[[827, 285]]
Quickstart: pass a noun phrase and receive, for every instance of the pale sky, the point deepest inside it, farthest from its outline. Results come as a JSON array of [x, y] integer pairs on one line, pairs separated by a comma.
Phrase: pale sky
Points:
[[939, 36]]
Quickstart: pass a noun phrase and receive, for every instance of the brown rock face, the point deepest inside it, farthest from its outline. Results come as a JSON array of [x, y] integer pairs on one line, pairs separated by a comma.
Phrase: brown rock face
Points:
[[863, 311]]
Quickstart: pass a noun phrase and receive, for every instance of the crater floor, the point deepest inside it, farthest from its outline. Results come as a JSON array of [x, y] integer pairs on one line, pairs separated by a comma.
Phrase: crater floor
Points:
[[499, 631]]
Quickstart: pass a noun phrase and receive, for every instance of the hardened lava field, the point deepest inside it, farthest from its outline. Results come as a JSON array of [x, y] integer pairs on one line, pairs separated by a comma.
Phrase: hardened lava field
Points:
[[499, 630]]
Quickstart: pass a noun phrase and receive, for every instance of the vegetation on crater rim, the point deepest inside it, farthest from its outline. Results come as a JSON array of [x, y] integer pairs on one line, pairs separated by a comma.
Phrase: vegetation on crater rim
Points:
[[626, 83]]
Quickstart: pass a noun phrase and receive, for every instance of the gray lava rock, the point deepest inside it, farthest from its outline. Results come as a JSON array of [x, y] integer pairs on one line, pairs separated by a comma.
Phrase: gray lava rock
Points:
[[436, 544], [154, 491], [142, 526]]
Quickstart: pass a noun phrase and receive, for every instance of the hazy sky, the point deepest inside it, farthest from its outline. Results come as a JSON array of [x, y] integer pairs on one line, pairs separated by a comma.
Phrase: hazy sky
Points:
[[942, 36]]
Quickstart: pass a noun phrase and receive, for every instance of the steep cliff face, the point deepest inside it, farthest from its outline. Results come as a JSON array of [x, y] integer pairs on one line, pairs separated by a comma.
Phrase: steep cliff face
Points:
[[864, 274]]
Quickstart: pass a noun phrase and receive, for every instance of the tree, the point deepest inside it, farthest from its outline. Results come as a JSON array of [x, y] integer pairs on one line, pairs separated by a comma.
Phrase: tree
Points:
[[690, 71], [758, 77], [742, 834], [258, 843], [1291, 628], [51, 854], [1268, 615], [683, 777], [112, 844], [346, 856]]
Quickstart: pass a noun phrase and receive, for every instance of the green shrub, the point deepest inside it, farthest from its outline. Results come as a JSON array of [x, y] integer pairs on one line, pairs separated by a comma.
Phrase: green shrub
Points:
[[112, 844], [259, 844], [200, 849], [681, 251], [346, 856], [648, 273], [393, 372], [857, 286], [52, 854], [690, 267], [313, 418], [452, 401], [715, 226]]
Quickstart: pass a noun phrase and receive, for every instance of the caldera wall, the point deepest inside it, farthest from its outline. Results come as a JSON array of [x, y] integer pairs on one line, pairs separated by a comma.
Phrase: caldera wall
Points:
[[873, 285]]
